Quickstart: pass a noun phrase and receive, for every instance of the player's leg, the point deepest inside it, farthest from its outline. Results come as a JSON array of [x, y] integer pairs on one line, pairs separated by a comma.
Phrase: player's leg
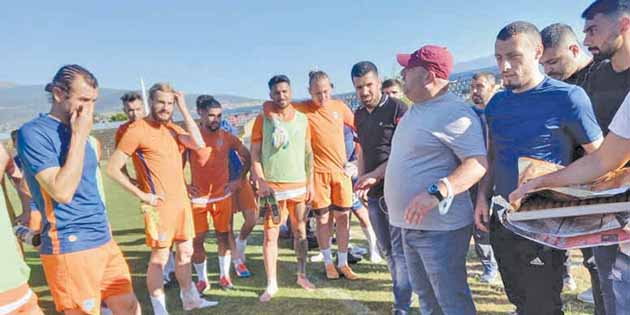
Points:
[[183, 272], [341, 195], [199, 256], [299, 216], [366, 226], [155, 285], [270, 257]]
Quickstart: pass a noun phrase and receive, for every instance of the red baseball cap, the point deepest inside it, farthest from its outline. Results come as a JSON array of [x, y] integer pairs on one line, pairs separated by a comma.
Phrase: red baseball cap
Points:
[[433, 58]]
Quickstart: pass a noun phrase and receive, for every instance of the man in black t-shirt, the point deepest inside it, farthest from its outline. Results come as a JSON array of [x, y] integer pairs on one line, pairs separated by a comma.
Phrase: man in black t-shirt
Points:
[[375, 122]]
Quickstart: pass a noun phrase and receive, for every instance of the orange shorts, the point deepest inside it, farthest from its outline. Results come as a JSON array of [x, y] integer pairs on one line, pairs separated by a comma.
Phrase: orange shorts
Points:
[[35, 223], [332, 189], [221, 212], [286, 206], [19, 301], [81, 280], [244, 199], [162, 227]]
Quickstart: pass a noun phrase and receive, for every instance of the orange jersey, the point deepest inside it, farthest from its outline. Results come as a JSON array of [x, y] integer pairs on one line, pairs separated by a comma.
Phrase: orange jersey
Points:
[[137, 164], [327, 139], [209, 166], [160, 153]]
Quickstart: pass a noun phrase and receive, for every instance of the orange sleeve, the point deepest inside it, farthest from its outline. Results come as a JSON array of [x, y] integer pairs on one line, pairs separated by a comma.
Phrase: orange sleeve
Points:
[[257, 129], [348, 116], [130, 140]]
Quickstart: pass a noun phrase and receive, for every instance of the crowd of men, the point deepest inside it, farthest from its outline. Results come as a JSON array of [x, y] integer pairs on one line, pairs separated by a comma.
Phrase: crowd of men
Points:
[[426, 174]]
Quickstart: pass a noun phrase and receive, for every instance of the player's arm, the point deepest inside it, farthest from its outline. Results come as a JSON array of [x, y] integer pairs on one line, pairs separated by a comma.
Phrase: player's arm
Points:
[[62, 182], [308, 167], [114, 170], [593, 146], [613, 154], [246, 158], [193, 140]]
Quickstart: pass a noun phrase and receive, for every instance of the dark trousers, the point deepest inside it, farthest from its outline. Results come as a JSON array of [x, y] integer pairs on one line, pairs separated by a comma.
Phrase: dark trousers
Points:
[[531, 273]]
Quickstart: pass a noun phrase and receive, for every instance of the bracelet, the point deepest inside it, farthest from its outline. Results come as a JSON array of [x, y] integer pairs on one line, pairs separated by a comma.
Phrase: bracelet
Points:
[[445, 204]]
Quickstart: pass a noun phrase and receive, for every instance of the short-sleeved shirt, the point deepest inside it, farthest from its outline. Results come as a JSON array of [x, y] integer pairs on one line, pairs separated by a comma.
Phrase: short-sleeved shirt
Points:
[[82, 223], [620, 124], [160, 152], [430, 142], [375, 131], [607, 90], [326, 124], [137, 164], [546, 122], [209, 166]]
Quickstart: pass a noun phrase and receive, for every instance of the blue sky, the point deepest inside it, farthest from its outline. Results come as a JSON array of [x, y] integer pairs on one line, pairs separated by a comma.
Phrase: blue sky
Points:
[[235, 46]]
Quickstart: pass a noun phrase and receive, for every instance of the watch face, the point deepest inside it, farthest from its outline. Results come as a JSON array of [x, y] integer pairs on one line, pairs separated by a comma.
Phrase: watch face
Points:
[[433, 189]]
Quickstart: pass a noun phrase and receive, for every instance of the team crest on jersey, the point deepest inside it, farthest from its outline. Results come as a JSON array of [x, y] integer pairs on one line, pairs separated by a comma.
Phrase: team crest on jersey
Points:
[[220, 142], [89, 304], [335, 115]]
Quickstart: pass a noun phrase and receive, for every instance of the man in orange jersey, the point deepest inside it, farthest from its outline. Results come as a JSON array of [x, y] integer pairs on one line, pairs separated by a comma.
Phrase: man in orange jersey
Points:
[[212, 190], [82, 263], [159, 144], [282, 167], [332, 183], [16, 296]]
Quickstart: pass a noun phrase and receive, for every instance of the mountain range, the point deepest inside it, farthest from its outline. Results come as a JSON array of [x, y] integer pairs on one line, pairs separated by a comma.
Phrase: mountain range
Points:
[[19, 103]]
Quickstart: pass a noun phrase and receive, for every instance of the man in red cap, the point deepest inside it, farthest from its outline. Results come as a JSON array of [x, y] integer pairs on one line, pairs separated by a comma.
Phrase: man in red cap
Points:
[[438, 152]]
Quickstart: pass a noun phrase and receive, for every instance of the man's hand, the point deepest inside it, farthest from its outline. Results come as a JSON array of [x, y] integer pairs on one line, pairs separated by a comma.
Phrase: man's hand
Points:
[[180, 101], [482, 215], [232, 187], [264, 189], [81, 120], [151, 199], [419, 207], [363, 185], [192, 191], [517, 195], [310, 192]]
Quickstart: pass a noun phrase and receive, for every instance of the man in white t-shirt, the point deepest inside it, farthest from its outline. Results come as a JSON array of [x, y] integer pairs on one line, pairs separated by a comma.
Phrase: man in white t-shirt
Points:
[[614, 152]]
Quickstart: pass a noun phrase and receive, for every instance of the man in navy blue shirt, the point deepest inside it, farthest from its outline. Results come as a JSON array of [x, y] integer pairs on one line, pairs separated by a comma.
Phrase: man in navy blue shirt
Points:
[[537, 117]]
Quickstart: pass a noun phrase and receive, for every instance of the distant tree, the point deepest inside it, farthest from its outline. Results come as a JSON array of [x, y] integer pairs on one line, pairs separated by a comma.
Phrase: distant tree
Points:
[[117, 117]]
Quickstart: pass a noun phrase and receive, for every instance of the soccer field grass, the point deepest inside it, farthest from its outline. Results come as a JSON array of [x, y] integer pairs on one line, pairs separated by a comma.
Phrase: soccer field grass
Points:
[[370, 295]]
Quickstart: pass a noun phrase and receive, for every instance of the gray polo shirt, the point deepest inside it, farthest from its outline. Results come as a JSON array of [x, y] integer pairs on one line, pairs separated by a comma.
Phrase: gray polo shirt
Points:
[[431, 141]]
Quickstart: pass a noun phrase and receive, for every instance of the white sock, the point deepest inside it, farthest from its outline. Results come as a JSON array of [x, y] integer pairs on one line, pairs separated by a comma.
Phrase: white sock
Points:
[[224, 265], [240, 245], [371, 239], [202, 271], [159, 305], [327, 256], [170, 265], [272, 286], [342, 259]]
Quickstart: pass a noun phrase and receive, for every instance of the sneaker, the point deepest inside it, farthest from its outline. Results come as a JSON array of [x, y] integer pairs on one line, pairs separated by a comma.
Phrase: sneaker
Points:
[[347, 272], [194, 301], [488, 277], [569, 284], [226, 283], [586, 296], [375, 258], [353, 259], [331, 272], [317, 258], [242, 271], [202, 286]]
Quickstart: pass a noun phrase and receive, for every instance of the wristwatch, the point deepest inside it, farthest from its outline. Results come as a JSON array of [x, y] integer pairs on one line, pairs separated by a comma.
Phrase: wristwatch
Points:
[[434, 191]]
